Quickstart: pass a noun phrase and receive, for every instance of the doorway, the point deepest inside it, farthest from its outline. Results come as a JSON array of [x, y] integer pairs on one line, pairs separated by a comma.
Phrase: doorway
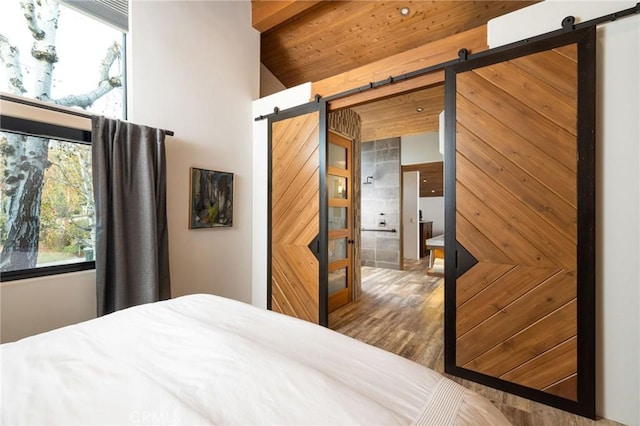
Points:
[[498, 204], [400, 133]]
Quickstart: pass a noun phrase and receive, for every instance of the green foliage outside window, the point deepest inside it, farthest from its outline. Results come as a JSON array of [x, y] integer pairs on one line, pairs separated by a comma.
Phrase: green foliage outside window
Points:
[[54, 54]]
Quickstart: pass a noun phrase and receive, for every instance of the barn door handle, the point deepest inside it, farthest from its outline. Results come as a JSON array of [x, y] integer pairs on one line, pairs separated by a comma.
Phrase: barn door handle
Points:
[[463, 260], [314, 247], [350, 241]]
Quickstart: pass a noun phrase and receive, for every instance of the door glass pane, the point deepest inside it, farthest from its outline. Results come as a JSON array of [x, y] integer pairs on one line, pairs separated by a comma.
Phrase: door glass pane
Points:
[[337, 187], [337, 249], [337, 218], [337, 156], [337, 280]]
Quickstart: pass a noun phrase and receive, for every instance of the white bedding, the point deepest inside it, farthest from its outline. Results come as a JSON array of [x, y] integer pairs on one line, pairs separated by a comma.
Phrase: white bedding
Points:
[[203, 359]]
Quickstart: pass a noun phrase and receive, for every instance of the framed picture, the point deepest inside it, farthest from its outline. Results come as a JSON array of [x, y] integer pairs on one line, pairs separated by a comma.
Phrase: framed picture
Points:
[[211, 199]]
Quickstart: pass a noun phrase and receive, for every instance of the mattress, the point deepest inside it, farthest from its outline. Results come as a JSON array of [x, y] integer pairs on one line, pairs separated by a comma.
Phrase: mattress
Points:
[[203, 359]]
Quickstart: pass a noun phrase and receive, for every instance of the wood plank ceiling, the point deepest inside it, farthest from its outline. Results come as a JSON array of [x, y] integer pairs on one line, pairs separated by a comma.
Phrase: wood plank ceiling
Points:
[[404, 115], [307, 41]]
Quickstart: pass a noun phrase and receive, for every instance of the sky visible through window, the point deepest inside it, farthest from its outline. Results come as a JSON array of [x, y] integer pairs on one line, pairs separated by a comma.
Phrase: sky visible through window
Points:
[[81, 44], [53, 178]]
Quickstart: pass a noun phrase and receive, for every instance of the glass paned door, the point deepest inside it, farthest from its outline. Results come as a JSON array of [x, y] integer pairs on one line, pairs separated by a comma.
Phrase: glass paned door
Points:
[[337, 218], [340, 244]]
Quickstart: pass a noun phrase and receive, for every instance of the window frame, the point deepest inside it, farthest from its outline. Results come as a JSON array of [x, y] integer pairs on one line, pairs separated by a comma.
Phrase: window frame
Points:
[[52, 131], [31, 127]]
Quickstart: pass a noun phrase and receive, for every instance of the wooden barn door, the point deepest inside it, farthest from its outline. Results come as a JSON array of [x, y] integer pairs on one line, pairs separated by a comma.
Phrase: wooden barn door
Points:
[[297, 246], [519, 239]]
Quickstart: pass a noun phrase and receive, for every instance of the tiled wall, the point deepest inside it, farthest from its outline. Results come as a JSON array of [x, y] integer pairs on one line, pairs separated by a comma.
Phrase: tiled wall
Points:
[[381, 202]]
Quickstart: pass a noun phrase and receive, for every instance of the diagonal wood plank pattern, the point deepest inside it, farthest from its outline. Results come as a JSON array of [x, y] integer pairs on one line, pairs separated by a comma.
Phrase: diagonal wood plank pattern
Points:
[[402, 312], [516, 198], [295, 216]]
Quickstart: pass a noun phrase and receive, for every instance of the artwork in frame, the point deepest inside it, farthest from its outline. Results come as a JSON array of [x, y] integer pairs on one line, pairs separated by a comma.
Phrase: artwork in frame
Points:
[[211, 199]]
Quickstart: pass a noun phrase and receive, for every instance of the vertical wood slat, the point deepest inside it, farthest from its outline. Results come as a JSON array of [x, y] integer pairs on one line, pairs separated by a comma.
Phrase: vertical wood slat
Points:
[[295, 216]]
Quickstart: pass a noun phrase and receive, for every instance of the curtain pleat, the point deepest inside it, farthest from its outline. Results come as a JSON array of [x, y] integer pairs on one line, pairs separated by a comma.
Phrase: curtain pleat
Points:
[[129, 184]]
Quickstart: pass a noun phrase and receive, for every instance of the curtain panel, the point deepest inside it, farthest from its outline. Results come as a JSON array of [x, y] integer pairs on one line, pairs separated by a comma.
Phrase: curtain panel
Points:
[[129, 184]]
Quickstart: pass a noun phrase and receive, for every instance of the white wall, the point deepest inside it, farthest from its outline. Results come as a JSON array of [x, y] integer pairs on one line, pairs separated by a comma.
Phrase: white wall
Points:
[[286, 99], [422, 148], [269, 84], [194, 69], [618, 190], [37, 305], [410, 219], [433, 211]]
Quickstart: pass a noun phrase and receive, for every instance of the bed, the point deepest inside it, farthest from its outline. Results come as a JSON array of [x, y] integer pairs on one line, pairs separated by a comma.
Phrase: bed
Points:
[[203, 359]]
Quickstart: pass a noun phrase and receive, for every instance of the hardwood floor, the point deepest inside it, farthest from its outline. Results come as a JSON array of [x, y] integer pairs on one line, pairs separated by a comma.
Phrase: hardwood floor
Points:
[[402, 312]]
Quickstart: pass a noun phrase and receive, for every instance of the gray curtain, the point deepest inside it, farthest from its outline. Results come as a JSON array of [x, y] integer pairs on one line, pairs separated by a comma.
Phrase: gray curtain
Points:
[[129, 185]]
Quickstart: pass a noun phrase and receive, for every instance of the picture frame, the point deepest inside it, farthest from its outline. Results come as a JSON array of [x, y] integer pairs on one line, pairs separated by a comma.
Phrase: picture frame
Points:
[[210, 199]]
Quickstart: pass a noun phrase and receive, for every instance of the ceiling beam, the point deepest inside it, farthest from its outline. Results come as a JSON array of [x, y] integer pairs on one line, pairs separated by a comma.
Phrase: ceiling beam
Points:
[[387, 91], [424, 56], [266, 14]]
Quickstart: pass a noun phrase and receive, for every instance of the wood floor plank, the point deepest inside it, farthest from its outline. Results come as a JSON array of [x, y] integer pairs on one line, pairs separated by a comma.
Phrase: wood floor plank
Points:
[[411, 301]]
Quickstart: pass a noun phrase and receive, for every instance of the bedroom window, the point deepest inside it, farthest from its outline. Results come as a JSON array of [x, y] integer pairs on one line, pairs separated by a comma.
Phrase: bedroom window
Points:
[[49, 228], [69, 53], [53, 53]]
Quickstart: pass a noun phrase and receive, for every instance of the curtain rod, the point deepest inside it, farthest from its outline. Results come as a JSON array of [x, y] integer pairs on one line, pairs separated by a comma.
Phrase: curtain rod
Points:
[[52, 107]]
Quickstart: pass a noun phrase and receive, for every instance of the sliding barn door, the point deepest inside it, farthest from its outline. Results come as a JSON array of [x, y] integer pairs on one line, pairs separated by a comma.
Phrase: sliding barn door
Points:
[[297, 248], [520, 220]]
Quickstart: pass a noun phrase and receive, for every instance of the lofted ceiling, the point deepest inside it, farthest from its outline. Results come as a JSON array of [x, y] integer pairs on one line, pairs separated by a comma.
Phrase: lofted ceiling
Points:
[[414, 113], [307, 41]]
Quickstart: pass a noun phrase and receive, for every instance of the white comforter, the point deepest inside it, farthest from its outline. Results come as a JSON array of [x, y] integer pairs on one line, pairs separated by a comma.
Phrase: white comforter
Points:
[[203, 359]]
